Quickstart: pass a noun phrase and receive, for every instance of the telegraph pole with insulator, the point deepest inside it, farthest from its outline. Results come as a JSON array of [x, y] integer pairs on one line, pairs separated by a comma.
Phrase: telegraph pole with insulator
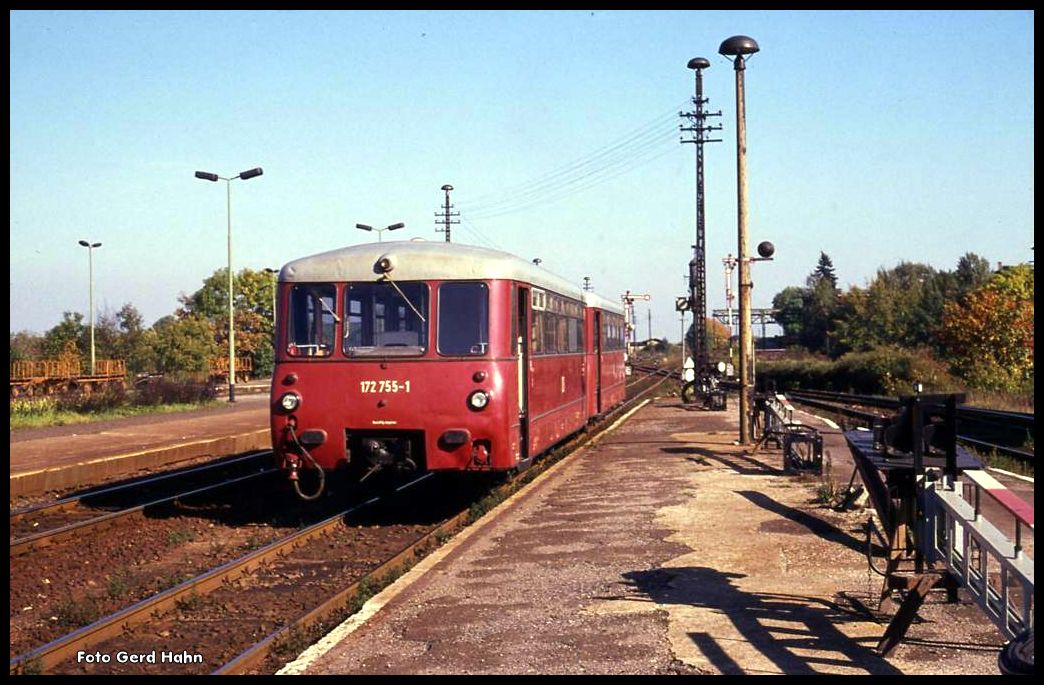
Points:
[[698, 265], [446, 217]]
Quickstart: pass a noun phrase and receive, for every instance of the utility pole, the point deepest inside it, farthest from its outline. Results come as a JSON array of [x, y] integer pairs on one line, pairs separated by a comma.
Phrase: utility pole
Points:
[[446, 217], [587, 284], [738, 47], [698, 265], [650, 325]]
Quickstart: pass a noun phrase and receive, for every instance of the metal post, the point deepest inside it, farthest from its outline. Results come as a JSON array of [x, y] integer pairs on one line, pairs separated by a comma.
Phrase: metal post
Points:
[[697, 266], [274, 273], [730, 264], [682, 312], [246, 175], [447, 216], [90, 283], [739, 46], [90, 280], [231, 307]]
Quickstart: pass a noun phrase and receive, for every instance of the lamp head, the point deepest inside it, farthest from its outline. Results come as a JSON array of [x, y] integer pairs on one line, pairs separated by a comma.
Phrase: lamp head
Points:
[[737, 46], [698, 63]]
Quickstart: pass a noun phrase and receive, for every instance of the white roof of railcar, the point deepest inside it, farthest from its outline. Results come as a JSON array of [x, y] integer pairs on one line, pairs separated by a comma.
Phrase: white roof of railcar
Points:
[[593, 300], [422, 260], [418, 260]]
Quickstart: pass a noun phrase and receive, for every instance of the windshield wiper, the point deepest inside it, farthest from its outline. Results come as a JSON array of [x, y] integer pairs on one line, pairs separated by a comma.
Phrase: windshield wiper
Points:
[[325, 306], [416, 311]]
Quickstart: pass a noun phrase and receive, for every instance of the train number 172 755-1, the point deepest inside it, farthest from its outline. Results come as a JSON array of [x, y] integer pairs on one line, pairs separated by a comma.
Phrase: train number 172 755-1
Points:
[[384, 386]]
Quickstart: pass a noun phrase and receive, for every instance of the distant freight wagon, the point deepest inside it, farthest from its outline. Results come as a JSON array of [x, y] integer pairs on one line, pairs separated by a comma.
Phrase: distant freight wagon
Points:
[[65, 377]]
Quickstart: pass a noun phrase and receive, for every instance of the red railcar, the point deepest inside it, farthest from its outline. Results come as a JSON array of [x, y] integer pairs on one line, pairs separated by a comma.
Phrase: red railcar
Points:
[[435, 356]]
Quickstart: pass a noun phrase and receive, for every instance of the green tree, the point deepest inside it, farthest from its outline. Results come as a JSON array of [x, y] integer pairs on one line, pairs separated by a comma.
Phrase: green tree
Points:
[[70, 330], [184, 344], [825, 270], [789, 307], [26, 345], [807, 314], [253, 313], [900, 307], [972, 272], [136, 343]]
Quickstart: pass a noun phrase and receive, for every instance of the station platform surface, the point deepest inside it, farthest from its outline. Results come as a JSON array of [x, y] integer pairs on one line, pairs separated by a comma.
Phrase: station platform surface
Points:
[[46, 459], [661, 548]]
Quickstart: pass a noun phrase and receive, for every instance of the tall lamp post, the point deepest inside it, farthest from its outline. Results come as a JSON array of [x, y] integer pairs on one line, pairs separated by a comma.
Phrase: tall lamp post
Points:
[[90, 270], [393, 227], [737, 47], [246, 175]]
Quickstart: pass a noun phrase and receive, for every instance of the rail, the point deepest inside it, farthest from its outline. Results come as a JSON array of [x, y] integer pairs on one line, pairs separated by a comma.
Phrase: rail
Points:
[[828, 401]]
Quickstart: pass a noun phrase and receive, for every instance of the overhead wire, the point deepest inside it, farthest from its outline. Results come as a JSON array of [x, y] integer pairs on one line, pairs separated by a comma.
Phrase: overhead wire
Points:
[[478, 233], [607, 160], [563, 193]]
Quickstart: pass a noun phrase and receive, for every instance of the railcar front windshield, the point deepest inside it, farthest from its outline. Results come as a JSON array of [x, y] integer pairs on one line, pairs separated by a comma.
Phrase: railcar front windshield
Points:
[[463, 319], [380, 322]]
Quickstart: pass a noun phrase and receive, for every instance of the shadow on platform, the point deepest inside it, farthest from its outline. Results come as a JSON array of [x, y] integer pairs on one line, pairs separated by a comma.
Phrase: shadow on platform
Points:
[[795, 633]]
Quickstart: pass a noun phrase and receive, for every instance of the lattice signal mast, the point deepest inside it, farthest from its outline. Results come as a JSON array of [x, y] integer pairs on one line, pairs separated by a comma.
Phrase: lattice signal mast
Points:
[[446, 217], [698, 266]]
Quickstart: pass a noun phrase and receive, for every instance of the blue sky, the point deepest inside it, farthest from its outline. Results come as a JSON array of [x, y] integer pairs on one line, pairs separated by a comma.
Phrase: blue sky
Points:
[[876, 137]]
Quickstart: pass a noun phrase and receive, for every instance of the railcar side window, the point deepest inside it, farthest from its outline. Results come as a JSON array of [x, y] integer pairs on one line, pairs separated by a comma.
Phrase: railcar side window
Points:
[[379, 322], [614, 333], [463, 319], [312, 321], [558, 326]]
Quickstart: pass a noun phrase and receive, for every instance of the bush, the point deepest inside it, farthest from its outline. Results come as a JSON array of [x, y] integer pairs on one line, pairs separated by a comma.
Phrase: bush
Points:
[[155, 391], [99, 400], [33, 406], [881, 371]]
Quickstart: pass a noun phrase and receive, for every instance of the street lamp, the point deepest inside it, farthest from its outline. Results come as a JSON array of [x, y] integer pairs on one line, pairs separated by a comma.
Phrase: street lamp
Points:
[[246, 175], [90, 267], [393, 227], [738, 47]]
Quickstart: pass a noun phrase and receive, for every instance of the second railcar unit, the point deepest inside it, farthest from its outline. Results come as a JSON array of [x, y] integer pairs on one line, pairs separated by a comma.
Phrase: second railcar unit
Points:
[[435, 356]]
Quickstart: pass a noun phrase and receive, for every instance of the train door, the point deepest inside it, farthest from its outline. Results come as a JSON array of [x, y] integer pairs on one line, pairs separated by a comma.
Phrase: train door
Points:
[[598, 361], [522, 333]]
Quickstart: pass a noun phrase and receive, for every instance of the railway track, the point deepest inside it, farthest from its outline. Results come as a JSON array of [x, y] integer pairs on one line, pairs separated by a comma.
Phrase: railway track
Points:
[[984, 429], [277, 569], [98, 509]]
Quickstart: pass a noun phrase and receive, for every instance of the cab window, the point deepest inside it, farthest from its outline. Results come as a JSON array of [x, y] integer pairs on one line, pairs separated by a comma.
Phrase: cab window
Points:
[[312, 321], [385, 320]]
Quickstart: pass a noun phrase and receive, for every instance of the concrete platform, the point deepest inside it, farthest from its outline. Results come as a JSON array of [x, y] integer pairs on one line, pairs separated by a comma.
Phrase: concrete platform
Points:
[[662, 548], [50, 459]]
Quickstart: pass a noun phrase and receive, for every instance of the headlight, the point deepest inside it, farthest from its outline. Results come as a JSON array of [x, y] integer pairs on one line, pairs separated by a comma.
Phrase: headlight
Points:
[[478, 399], [290, 401]]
